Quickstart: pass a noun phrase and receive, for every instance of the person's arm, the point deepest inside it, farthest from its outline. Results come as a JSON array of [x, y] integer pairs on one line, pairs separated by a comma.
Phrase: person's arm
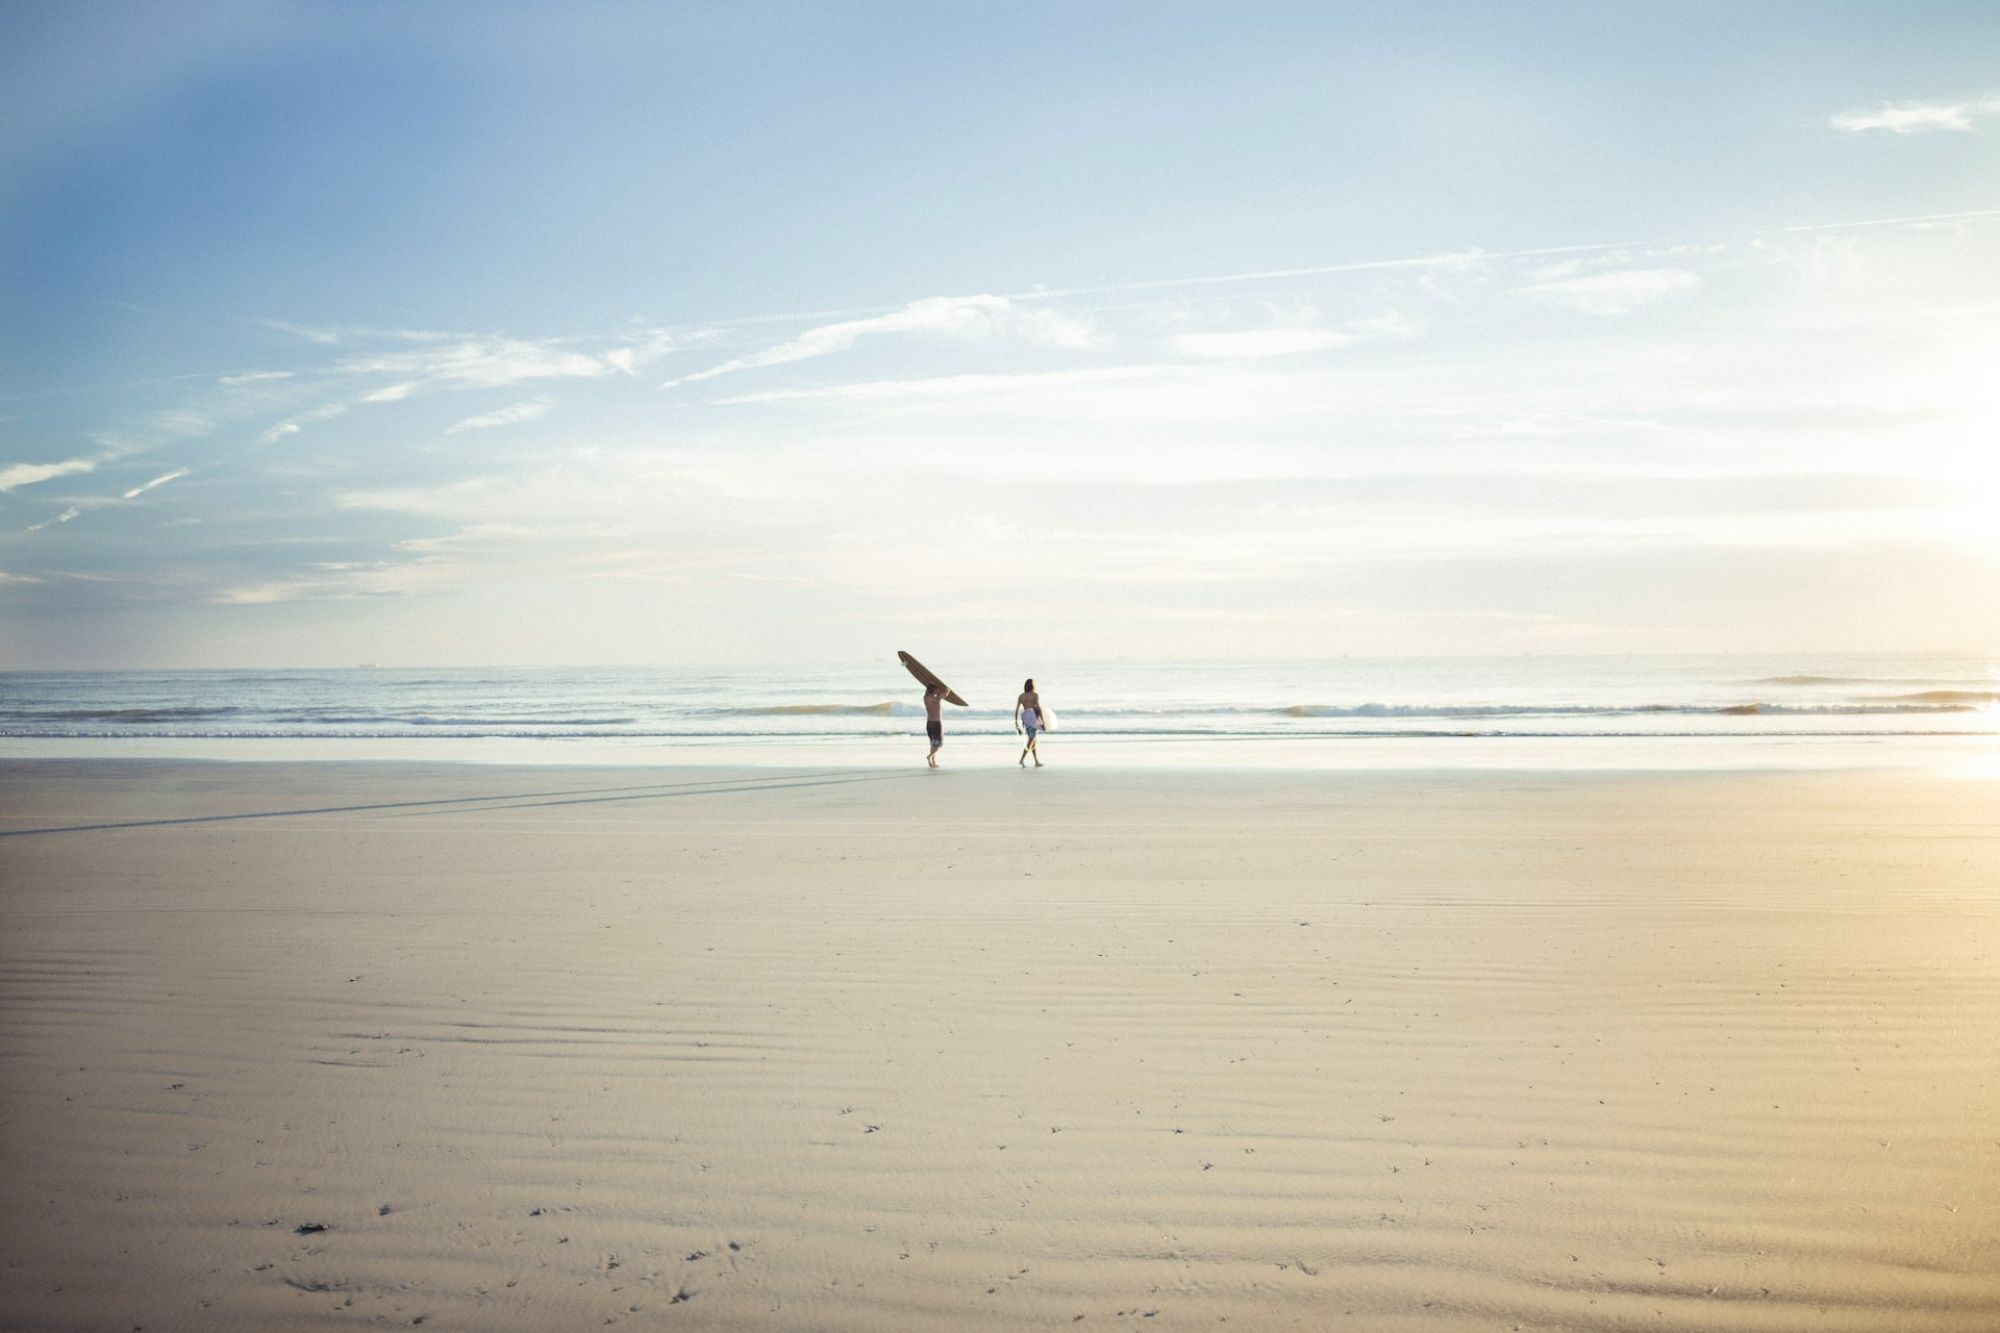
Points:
[[1017, 716]]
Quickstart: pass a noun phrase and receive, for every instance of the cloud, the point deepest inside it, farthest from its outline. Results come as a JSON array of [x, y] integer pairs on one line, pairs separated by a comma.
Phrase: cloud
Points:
[[405, 362], [27, 474], [64, 517], [973, 385], [485, 363], [1614, 293], [160, 480], [457, 362], [1052, 328], [1917, 220], [1916, 117], [1461, 259], [471, 537], [648, 346], [505, 416], [1388, 324], [183, 423], [301, 421], [958, 315], [586, 486], [508, 553], [1255, 344], [6, 578], [324, 337], [291, 590], [346, 580], [1295, 332]]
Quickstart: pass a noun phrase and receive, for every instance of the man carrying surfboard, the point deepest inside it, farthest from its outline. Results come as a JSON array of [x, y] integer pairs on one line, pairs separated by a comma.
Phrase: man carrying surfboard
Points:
[[936, 692], [934, 719]]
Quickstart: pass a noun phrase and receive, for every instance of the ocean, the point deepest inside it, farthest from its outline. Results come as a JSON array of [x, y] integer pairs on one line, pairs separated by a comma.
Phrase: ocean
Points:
[[1529, 710]]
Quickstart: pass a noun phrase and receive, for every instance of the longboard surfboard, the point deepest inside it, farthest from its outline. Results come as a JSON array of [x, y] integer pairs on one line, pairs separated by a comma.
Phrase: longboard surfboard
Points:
[[923, 673]]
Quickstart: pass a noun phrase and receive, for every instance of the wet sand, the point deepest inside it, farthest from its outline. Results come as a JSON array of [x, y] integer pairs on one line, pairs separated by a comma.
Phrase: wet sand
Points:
[[315, 1045]]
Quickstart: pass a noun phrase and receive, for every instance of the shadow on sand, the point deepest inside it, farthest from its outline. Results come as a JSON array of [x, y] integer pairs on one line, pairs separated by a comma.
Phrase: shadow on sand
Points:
[[661, 791]]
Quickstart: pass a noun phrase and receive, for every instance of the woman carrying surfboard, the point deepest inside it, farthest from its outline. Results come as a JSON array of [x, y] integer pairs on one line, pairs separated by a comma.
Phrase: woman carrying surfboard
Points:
[[1028, 720]]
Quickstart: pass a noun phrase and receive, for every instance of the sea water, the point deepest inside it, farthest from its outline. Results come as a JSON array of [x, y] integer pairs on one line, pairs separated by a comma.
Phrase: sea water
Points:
[[1523, 711]]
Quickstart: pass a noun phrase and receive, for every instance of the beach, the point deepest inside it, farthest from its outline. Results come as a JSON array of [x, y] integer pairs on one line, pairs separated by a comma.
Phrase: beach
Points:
[[496, 1047]]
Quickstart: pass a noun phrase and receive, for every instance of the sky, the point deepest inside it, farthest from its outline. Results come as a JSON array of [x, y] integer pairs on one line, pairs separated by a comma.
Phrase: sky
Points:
[[601, 334]]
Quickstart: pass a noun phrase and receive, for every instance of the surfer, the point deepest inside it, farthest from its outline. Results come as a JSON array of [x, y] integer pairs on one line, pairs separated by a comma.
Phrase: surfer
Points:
[[934, 694], [1028, 721]]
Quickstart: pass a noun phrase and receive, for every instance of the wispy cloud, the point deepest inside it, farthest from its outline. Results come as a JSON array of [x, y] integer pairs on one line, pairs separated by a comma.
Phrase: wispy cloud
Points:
[[347, 580], [1614, 293], [406, 363], [27, 474], [951, 315], [505, 416], [64, 517], [1910, 220], [293, 425], [183, 423], [1164, 438], [6, 578], [948, 386], [156, 482], [416, 360], [1256, 344], [1916, 117], [1291, 333], [330, 588], [650, 345], [1473, 258], [482, 363]]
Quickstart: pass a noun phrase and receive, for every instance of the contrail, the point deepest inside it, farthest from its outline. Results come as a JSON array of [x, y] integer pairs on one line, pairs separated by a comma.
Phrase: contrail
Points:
[[1446, 259], [1892, 222]]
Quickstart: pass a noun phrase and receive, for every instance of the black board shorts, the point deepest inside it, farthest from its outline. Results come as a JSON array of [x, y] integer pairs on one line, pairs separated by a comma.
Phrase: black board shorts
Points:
[[936, 732]]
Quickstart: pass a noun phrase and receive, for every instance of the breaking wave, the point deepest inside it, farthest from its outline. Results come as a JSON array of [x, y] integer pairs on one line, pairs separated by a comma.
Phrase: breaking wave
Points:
[[132, 714], [1617, 710], [1868, 680], [824, 710], [1408, 698]]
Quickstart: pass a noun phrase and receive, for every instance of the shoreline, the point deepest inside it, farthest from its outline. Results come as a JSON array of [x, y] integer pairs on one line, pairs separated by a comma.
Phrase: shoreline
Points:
[[1975, 754]]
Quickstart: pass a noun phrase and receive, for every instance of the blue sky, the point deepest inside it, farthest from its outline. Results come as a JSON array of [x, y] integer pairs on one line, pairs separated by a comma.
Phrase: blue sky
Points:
[[440, 333]]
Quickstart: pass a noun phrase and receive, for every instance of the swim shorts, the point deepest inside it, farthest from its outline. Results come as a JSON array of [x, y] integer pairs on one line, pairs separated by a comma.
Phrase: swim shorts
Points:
[[936, 732]]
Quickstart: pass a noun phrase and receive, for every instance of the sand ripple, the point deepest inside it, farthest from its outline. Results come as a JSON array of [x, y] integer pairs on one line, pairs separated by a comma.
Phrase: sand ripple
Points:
[[1143, 1052]]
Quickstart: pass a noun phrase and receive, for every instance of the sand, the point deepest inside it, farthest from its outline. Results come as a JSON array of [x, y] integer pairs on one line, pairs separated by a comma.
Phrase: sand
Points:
[[319, 1045]]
